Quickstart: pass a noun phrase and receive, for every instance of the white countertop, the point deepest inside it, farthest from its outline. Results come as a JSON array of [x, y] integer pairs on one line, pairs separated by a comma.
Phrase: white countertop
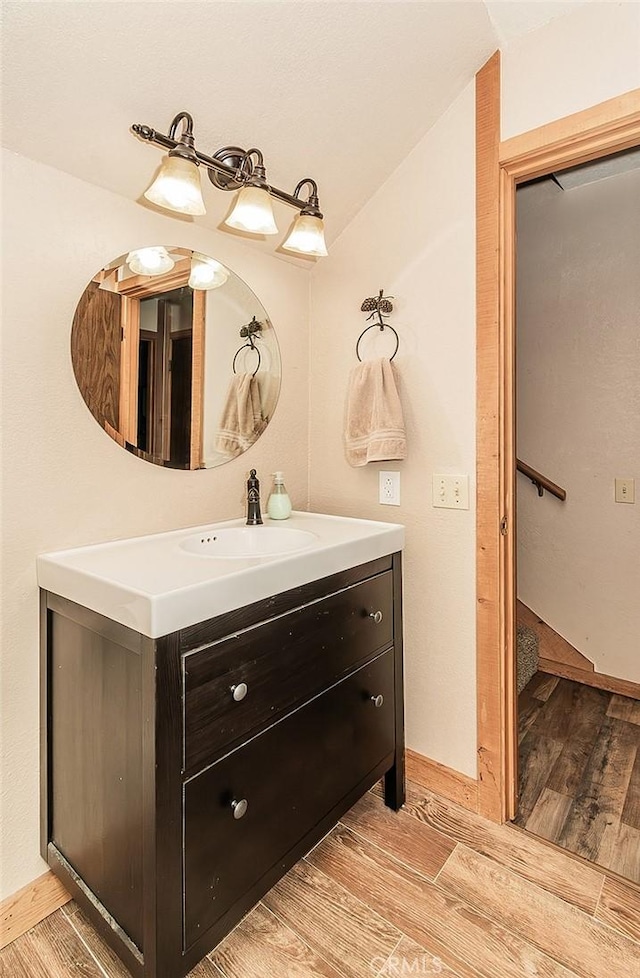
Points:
[[153, 585]]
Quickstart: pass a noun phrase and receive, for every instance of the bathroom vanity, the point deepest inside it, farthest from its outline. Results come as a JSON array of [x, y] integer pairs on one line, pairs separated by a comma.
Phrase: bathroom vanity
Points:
[[208, 716]]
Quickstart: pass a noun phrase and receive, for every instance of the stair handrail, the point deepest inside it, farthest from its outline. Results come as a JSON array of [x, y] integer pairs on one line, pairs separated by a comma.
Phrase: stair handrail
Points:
[[540, 481]]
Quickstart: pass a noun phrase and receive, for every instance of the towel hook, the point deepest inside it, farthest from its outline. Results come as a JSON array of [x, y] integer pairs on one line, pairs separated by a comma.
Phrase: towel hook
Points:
[[381, 306]]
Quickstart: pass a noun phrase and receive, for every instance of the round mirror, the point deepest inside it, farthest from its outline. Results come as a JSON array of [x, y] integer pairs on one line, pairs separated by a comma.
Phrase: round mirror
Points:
[[175, 357]]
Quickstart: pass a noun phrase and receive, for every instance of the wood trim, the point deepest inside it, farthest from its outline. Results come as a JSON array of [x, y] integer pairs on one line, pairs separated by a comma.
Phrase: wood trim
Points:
[[129, 354], [551, 645], [598, 131], [197, 376], [507, 439], [442, 780], [26, 908], [623, 687], [609, 125], [142, 286], [489, 491]]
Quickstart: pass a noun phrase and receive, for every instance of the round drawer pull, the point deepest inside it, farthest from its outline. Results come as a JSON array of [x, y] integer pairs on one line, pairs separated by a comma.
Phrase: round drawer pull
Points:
[[239, 692], [239, 808], [376, 615], [377, 700]]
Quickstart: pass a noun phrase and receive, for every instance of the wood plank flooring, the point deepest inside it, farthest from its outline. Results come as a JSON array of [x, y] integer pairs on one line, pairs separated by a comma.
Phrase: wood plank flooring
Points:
[[579, 771], [432, 890]]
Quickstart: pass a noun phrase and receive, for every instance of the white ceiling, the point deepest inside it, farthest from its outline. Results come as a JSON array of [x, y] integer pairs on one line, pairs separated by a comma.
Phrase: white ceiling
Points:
[[340, 91]]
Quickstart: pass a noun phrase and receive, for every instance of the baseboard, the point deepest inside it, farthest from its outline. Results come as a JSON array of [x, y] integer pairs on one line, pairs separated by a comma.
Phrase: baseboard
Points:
[[35, 901], [442, 780], [26, 908], [623, 687]]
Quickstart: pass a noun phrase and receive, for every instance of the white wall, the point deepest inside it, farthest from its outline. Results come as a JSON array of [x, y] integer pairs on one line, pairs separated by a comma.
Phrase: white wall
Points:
[[578, 385], [415, 239], [591, 55], [65, 482]]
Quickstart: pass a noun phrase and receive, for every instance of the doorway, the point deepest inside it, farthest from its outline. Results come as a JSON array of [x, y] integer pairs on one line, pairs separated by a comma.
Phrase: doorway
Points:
[[596, 132], [578, 577], [165, 377]]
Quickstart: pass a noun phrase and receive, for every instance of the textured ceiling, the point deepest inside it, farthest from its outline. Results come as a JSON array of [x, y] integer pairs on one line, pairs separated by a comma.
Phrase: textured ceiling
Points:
[[511, 18], [340, 91]]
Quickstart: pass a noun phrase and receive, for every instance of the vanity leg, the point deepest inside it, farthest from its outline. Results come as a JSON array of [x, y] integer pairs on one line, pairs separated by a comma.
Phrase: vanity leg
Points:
[[394, 785], [394, 779]]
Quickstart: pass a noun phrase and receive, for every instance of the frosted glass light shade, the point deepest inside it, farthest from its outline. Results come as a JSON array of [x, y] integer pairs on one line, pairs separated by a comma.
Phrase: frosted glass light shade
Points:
[[207, 273], [150, 261], [177, 187], [253, 212], [307, 236]]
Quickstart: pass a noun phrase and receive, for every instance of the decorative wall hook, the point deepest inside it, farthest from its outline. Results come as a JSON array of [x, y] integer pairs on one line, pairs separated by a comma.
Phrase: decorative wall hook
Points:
[[381, 306]]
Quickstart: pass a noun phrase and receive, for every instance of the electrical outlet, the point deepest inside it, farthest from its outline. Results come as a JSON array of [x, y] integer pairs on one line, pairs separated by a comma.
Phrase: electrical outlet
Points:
[[625, 490], [389, 489], [451, 491]]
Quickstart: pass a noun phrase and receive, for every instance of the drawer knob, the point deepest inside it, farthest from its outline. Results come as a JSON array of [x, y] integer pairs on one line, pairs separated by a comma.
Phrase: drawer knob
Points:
[[239, 808], [377, 700], [376, 615], [239, 692]]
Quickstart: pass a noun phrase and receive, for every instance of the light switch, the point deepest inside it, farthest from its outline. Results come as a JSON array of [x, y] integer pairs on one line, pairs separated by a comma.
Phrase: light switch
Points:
[[451, 491], [625, 490]]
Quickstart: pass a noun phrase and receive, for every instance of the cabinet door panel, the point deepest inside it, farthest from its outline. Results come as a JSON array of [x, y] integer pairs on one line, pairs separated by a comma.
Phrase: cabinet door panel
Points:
[[290, 776], [283, 662]]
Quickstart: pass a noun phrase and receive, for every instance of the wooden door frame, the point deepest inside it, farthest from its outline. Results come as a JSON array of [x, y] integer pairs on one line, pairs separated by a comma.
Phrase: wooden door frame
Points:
[[133, 290], [603, 129]]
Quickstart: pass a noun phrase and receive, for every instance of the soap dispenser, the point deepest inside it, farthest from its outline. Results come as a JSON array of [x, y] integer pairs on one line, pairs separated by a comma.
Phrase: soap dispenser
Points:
[[279, 504]]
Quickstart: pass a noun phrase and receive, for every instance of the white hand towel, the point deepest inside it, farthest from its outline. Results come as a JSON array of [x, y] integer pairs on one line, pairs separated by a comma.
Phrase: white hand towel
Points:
[[242, 421], [374, 426]]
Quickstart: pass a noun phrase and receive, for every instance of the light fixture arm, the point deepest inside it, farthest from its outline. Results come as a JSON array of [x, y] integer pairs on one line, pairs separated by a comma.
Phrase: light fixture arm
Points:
[[250, 172], [224, 176], [312, 204], [185, 118]]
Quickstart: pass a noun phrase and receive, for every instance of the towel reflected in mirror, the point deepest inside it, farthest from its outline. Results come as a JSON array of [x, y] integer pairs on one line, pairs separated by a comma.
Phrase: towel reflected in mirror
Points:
[[242, 419]]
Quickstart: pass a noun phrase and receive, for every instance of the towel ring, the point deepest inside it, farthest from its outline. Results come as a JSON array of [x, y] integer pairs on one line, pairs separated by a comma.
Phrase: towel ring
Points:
[[381, 326], [247, 346]]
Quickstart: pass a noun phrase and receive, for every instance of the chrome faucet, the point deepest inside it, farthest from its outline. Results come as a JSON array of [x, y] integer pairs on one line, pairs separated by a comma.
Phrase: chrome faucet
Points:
[[253, 500]]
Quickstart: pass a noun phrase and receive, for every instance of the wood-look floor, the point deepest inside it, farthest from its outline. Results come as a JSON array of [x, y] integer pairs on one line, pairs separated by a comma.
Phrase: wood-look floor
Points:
[[432, 890], [579, 781]]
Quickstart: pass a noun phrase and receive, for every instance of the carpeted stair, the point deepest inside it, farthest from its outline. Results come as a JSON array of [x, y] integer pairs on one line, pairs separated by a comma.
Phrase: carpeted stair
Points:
[[526, 655]]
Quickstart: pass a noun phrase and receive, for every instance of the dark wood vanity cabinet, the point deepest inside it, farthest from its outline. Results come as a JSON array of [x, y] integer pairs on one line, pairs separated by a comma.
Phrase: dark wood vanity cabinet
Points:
[[183, 776]]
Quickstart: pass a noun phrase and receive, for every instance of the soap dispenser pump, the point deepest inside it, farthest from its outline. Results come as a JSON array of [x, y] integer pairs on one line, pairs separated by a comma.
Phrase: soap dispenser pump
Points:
[[279, 504]]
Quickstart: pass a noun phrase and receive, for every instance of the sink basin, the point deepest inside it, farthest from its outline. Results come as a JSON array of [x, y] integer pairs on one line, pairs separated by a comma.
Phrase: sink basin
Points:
[[166, 581], [249, 541]]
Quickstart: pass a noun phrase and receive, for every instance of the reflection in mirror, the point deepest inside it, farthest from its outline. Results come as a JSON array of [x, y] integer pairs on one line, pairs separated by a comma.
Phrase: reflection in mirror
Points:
[[175, 357]]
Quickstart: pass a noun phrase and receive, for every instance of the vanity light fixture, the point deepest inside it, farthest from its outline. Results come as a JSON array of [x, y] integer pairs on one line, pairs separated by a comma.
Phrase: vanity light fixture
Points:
[[207, 273], [150, 261], [253, 211], [177, 187], [307, 234]]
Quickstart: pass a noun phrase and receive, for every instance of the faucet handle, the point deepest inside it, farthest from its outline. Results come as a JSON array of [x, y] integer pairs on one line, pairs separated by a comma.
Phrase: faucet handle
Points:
[[254, 517]]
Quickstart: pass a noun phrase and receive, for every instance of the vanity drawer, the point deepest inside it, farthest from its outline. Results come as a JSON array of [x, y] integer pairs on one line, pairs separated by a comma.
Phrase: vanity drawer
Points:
[[339, 738], [282, 662]]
